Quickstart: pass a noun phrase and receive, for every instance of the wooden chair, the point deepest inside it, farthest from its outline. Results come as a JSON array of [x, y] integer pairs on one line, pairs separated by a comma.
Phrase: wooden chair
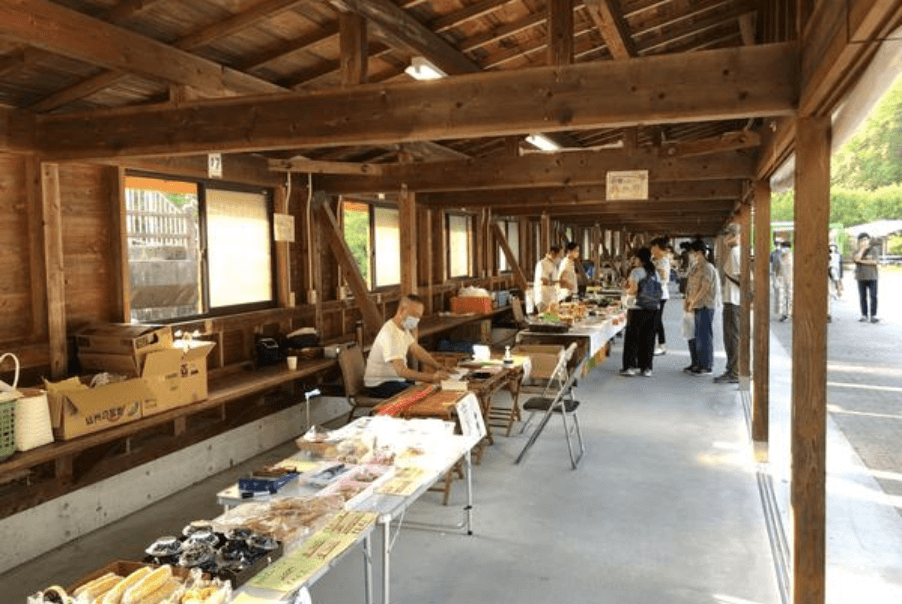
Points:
[[557, 398], [352, 369]]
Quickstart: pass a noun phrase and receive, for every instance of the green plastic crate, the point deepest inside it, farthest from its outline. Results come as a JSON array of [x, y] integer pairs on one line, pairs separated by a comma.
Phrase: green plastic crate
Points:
[[7, 428]]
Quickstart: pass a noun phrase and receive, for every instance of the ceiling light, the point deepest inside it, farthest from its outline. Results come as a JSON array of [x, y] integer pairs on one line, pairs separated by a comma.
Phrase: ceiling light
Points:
[[540, 141], [421, 69]]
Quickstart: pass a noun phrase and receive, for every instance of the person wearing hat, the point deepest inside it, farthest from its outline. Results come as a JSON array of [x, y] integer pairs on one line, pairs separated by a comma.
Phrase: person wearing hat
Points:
[[731, 305], [866, 275]]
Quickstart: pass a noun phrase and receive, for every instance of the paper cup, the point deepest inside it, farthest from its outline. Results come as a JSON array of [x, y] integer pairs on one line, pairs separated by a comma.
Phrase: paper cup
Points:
[[292, 363]]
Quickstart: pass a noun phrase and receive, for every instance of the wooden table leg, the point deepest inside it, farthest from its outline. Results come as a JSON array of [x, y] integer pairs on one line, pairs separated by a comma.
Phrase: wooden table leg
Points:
[[513, 386]]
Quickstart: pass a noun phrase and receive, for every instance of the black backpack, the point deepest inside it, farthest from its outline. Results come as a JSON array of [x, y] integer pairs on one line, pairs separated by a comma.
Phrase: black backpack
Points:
[[649, 295]]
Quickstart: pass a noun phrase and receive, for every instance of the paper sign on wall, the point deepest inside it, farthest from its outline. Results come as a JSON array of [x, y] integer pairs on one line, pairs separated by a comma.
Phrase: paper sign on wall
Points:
[[627, 185], [214, 165], [284, 227]]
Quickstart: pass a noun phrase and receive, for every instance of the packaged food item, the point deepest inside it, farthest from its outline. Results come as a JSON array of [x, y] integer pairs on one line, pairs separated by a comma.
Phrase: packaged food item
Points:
[[91, 591], [147, 585], [114, 596]]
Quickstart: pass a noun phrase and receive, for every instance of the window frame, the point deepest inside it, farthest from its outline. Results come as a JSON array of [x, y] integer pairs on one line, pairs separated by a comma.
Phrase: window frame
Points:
[[470, 236], [203, 250]]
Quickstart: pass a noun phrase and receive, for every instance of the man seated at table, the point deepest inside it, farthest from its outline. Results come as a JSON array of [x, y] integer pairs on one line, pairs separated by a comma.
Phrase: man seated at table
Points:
[[387, 372]]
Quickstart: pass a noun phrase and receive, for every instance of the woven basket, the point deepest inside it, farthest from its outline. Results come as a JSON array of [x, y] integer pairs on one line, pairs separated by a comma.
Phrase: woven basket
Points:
[[7, 428]]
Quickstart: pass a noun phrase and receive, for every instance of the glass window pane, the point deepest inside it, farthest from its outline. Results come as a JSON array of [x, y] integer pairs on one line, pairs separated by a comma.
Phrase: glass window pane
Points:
[[239, 250], [163, 249], [388, 247], [502, 259], [513, 239], [459, 246], [356, 224]]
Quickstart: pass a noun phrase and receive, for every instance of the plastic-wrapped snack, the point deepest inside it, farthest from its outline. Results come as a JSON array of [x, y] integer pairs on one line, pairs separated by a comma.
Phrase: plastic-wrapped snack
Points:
[[150, 583], [114, 596], [96, 589]]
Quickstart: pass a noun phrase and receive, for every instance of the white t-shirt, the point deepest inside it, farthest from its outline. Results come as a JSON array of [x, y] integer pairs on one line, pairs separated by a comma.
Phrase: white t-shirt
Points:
[[662, 265], [568, 274], [391, 343], [544, 294], [731, 268]]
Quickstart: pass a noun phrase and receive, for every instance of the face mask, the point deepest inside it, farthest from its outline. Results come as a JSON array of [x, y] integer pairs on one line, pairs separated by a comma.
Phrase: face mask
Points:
[[410, 323]]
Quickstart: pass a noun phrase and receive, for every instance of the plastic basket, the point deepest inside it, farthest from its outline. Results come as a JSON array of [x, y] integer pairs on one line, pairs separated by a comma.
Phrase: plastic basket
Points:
[[7, 428]]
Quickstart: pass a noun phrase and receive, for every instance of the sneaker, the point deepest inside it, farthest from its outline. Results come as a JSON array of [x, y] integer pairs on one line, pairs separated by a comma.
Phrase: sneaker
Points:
[[783, 319], [646, 373], [863, 319], [726, 378], [829, 319], [632, 371], [690, 369], [661, 349], [875, 320], [701, 372]]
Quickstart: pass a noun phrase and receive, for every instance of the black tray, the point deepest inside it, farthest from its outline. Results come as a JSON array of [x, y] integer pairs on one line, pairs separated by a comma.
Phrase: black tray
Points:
[[548, 328]]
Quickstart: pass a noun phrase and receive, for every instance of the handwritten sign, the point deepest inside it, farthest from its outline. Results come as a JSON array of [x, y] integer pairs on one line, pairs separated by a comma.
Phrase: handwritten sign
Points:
[[404, 482], [284, 227], [214, 165], [472, 424], [627, 185]]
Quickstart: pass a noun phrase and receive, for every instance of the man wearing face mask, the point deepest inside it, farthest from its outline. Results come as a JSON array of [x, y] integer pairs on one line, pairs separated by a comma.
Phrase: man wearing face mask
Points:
[[387, 372]]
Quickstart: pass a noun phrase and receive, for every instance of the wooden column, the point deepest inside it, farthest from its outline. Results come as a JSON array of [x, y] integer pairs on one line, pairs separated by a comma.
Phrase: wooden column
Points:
[[745, 287], [560, 32], [424, 265], [545, 235], [525, 237], [354, 53], [809, 359], [283, 258], [439, 249], [596, 249], [55, 271], [407, 226], [761, 371], [36, 265], [115, 180], [512, 261]]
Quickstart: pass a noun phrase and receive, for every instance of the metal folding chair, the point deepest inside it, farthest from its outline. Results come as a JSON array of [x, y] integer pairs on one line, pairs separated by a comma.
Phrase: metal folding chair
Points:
[[557, 398]]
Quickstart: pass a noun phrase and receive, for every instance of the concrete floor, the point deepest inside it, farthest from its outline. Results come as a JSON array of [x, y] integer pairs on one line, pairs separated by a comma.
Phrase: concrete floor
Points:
[[664, 508]]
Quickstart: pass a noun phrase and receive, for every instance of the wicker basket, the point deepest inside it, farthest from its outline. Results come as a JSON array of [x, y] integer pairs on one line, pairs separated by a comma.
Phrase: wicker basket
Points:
[[7, 428]]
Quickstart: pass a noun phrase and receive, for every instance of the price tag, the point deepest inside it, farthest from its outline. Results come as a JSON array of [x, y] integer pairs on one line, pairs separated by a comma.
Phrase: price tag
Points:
[[214, 165]]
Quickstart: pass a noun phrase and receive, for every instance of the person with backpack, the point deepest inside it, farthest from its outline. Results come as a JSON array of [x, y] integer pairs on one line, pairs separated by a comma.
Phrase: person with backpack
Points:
[[644, 291], [701, 298]]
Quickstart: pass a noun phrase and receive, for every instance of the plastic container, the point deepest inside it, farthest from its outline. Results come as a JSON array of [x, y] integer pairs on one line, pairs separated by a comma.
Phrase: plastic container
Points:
[[33, 427], [7, 428]]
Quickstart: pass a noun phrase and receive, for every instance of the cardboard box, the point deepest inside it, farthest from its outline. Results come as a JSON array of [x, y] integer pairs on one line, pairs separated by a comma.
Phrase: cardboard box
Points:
[[464, 305], [544, 358], [124, 338], [124, 568], [77, 409], [176, 375]]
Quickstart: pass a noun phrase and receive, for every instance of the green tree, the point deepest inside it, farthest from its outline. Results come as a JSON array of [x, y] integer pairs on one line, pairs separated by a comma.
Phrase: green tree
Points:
[[357, 236]]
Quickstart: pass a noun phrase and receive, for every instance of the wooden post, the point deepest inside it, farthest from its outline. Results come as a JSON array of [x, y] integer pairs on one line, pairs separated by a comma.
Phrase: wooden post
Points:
[[55, 269], [512, 261], [424, 245], [545, 235], [407, 227], [745, 305], [560, 32], [479, 244], [596, 249], [115, 178], [809, 359], [353, 40], [439, 251], [761, 375], [37, 268], [283, 260], [525, 238]]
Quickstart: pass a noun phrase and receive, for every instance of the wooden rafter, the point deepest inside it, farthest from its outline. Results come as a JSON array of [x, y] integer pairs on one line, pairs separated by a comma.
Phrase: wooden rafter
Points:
[[608, 18], [728, 141], [716, 85], [323, 34], [466, 14], [560, 32]]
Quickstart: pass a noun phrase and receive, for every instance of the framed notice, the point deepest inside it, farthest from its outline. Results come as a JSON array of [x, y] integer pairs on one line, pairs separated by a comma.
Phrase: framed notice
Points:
[[627, 185], [472, 424], [284, 227], [214, 165]]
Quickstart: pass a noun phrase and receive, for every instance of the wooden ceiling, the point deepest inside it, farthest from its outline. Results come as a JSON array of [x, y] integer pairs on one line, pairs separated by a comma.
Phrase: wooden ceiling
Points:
[[119, 63]]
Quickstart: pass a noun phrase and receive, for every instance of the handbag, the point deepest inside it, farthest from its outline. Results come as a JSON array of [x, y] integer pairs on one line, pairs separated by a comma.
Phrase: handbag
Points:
[[687, 325]]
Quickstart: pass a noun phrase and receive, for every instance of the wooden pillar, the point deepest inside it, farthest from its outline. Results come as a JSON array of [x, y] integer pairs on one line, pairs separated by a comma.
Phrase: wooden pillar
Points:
[[479, 245], [761, 375], [439, 248], [745, 288], [545, 235], [424, 245], [560, 32], [354, 53], [36, 265], [54, 269], [115, 180], [525, 238], [809, 359], [407, 226], [283, 259]]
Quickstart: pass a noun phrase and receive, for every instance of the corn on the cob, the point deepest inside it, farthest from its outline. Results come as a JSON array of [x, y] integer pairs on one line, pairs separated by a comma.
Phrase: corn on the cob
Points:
[[146, 586], [162, 593], [97, 587], [114, 596]]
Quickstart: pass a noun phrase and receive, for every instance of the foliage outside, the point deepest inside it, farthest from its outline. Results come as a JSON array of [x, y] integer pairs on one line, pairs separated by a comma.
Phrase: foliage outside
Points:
[[357, 236]]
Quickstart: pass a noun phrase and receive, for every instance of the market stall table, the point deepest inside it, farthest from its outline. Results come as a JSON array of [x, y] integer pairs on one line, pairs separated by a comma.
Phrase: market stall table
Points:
[[592, 335]]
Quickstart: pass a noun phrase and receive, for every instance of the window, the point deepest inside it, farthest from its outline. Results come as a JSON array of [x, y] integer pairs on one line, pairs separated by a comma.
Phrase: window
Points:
[[373, 235], [511, 232], [196, 249], [460, 241]]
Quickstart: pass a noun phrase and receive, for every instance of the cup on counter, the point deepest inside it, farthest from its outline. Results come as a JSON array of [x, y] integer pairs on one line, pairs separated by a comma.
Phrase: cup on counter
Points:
[[292, 362]]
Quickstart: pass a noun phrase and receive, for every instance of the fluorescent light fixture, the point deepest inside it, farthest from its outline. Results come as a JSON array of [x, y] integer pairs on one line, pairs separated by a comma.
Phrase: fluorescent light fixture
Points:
[[540, 141], [421, 69]]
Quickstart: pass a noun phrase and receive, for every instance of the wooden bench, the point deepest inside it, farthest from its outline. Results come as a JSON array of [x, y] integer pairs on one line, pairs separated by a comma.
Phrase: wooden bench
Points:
[[62, 454]]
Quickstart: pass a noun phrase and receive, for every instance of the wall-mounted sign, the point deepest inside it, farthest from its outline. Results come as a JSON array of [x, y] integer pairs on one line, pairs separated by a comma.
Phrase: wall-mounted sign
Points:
[[214, 165], [284, 227], [631, 184]]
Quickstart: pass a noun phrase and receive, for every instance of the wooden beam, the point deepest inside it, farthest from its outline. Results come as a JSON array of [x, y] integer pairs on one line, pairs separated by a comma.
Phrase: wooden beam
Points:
[[581, 195], [761, 364], [407, 229], [354, 49], [809, 360], [372, 318], [512, 260], [322, 34], [64, 31], [400, 28], [572, 168], [17, 130], [625, 207], [311, 166], [121, 277], [778, 142], [715, 85], [127, 9], [560, 32], [54, 269], [608, 18], [247, 169], [465, 14], [747, 27], [262, 10], [729, 141]]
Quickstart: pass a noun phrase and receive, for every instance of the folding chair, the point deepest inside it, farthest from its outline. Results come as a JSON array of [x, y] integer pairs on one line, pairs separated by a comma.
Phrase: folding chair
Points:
[[557, 398], [352, 369]]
